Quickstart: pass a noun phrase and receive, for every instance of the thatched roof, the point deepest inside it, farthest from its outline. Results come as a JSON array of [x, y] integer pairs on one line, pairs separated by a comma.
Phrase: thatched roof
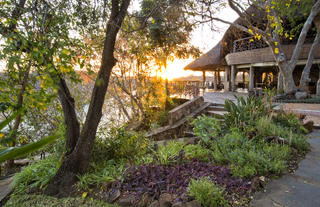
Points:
[[209, 61], [214, 59]]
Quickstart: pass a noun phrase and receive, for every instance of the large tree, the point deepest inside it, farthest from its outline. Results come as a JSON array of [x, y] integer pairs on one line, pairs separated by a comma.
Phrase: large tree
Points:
[[58, 62]]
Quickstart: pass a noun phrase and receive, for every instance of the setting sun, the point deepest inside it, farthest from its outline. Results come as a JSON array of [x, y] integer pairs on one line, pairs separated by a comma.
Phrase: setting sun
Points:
[[175, 69]]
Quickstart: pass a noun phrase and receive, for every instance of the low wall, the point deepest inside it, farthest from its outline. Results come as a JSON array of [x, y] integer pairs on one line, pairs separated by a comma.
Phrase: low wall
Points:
[[184, 110]]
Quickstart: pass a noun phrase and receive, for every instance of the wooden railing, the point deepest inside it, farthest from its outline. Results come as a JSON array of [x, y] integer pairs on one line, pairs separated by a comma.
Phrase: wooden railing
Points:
[[248, 43], [185, 89]]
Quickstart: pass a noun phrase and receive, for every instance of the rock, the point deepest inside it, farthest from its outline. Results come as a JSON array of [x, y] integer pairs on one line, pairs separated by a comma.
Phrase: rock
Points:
[[106, 186], [154, 204], [113, 195], [179, 204], [309, 126], [145, 200], [192, 140], [126, 200], [193, 203], [165, 200], [301, 95]]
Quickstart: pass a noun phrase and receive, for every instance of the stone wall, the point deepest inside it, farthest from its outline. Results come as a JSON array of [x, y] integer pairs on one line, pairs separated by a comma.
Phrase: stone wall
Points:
[[184, 110]]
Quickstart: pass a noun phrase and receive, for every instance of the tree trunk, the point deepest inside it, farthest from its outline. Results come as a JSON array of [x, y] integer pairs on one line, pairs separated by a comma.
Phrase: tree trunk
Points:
[[17, 122], [305, 79], [288, 82], [70, 117], [318, 86], [77, 161], [280, 82]]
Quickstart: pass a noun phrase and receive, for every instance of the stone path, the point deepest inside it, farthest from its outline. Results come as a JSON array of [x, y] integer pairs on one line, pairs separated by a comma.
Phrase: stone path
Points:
[[221, 97], [5, 188], [301, 189]]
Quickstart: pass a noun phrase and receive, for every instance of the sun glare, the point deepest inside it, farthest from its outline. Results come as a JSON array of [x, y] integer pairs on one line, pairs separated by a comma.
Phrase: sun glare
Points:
[[175, 70]]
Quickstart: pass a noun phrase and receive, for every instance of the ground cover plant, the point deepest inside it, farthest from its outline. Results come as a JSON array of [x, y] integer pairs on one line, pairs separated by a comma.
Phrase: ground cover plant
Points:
[[175, 178], [207, 192]]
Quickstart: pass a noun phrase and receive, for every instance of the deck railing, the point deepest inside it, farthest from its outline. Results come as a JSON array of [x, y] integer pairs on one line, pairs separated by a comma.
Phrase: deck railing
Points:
[[185, 89], [248, 43]]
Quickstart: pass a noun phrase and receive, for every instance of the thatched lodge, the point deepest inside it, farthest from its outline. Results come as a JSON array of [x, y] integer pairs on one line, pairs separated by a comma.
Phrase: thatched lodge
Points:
[[245, 62]]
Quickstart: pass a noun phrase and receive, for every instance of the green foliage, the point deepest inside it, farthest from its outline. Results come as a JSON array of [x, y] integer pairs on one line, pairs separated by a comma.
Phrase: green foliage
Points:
[[10, 153], [38, 174], [169, 153], [288, 121], [123, 144], [47, 201], [207, 128], [112, 154], [207, 193], [245, 112], [104, 171], [249, 157], [265, 128]]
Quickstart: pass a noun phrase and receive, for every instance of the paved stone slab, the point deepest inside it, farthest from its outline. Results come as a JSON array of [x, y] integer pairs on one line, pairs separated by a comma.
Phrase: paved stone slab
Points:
[[288, 191], [299, 190], [5, 187]]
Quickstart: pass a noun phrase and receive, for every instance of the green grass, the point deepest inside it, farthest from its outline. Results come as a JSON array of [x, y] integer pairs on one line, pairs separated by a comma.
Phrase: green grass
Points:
[[38, 174], [46, 201], [207, 193], [249, 157]]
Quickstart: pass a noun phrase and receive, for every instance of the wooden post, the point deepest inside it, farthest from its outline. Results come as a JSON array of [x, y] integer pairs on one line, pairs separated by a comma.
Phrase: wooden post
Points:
[[226, 79], [204, 81], [251, 78], [215, 78], [318, 86], [233, 78]]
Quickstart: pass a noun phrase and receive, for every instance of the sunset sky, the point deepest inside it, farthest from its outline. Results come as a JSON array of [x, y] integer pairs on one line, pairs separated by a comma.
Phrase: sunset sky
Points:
[[205, 39]]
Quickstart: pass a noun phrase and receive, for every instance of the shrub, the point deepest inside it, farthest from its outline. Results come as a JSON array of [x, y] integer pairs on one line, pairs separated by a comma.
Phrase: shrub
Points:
[[207, 128], [207, 193], [101, 172], [249, 157], [38, 174], [289, 121], [123, 144], [169, 153], [266, 127], [244, 113]]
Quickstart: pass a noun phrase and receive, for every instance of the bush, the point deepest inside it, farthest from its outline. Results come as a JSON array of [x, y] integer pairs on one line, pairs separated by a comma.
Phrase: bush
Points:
[[38, 174], [169, 153], [207, 193], [106, 171], [122, 144], [266, 127], [289, 121], [207, 128], [249, 157], [244, 113]]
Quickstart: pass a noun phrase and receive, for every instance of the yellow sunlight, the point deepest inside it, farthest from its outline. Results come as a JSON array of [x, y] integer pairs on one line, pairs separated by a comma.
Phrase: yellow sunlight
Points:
[[175, 69]]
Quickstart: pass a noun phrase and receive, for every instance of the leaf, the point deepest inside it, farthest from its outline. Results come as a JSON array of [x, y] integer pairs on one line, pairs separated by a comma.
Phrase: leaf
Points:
[[84, 194], [16, 152]]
